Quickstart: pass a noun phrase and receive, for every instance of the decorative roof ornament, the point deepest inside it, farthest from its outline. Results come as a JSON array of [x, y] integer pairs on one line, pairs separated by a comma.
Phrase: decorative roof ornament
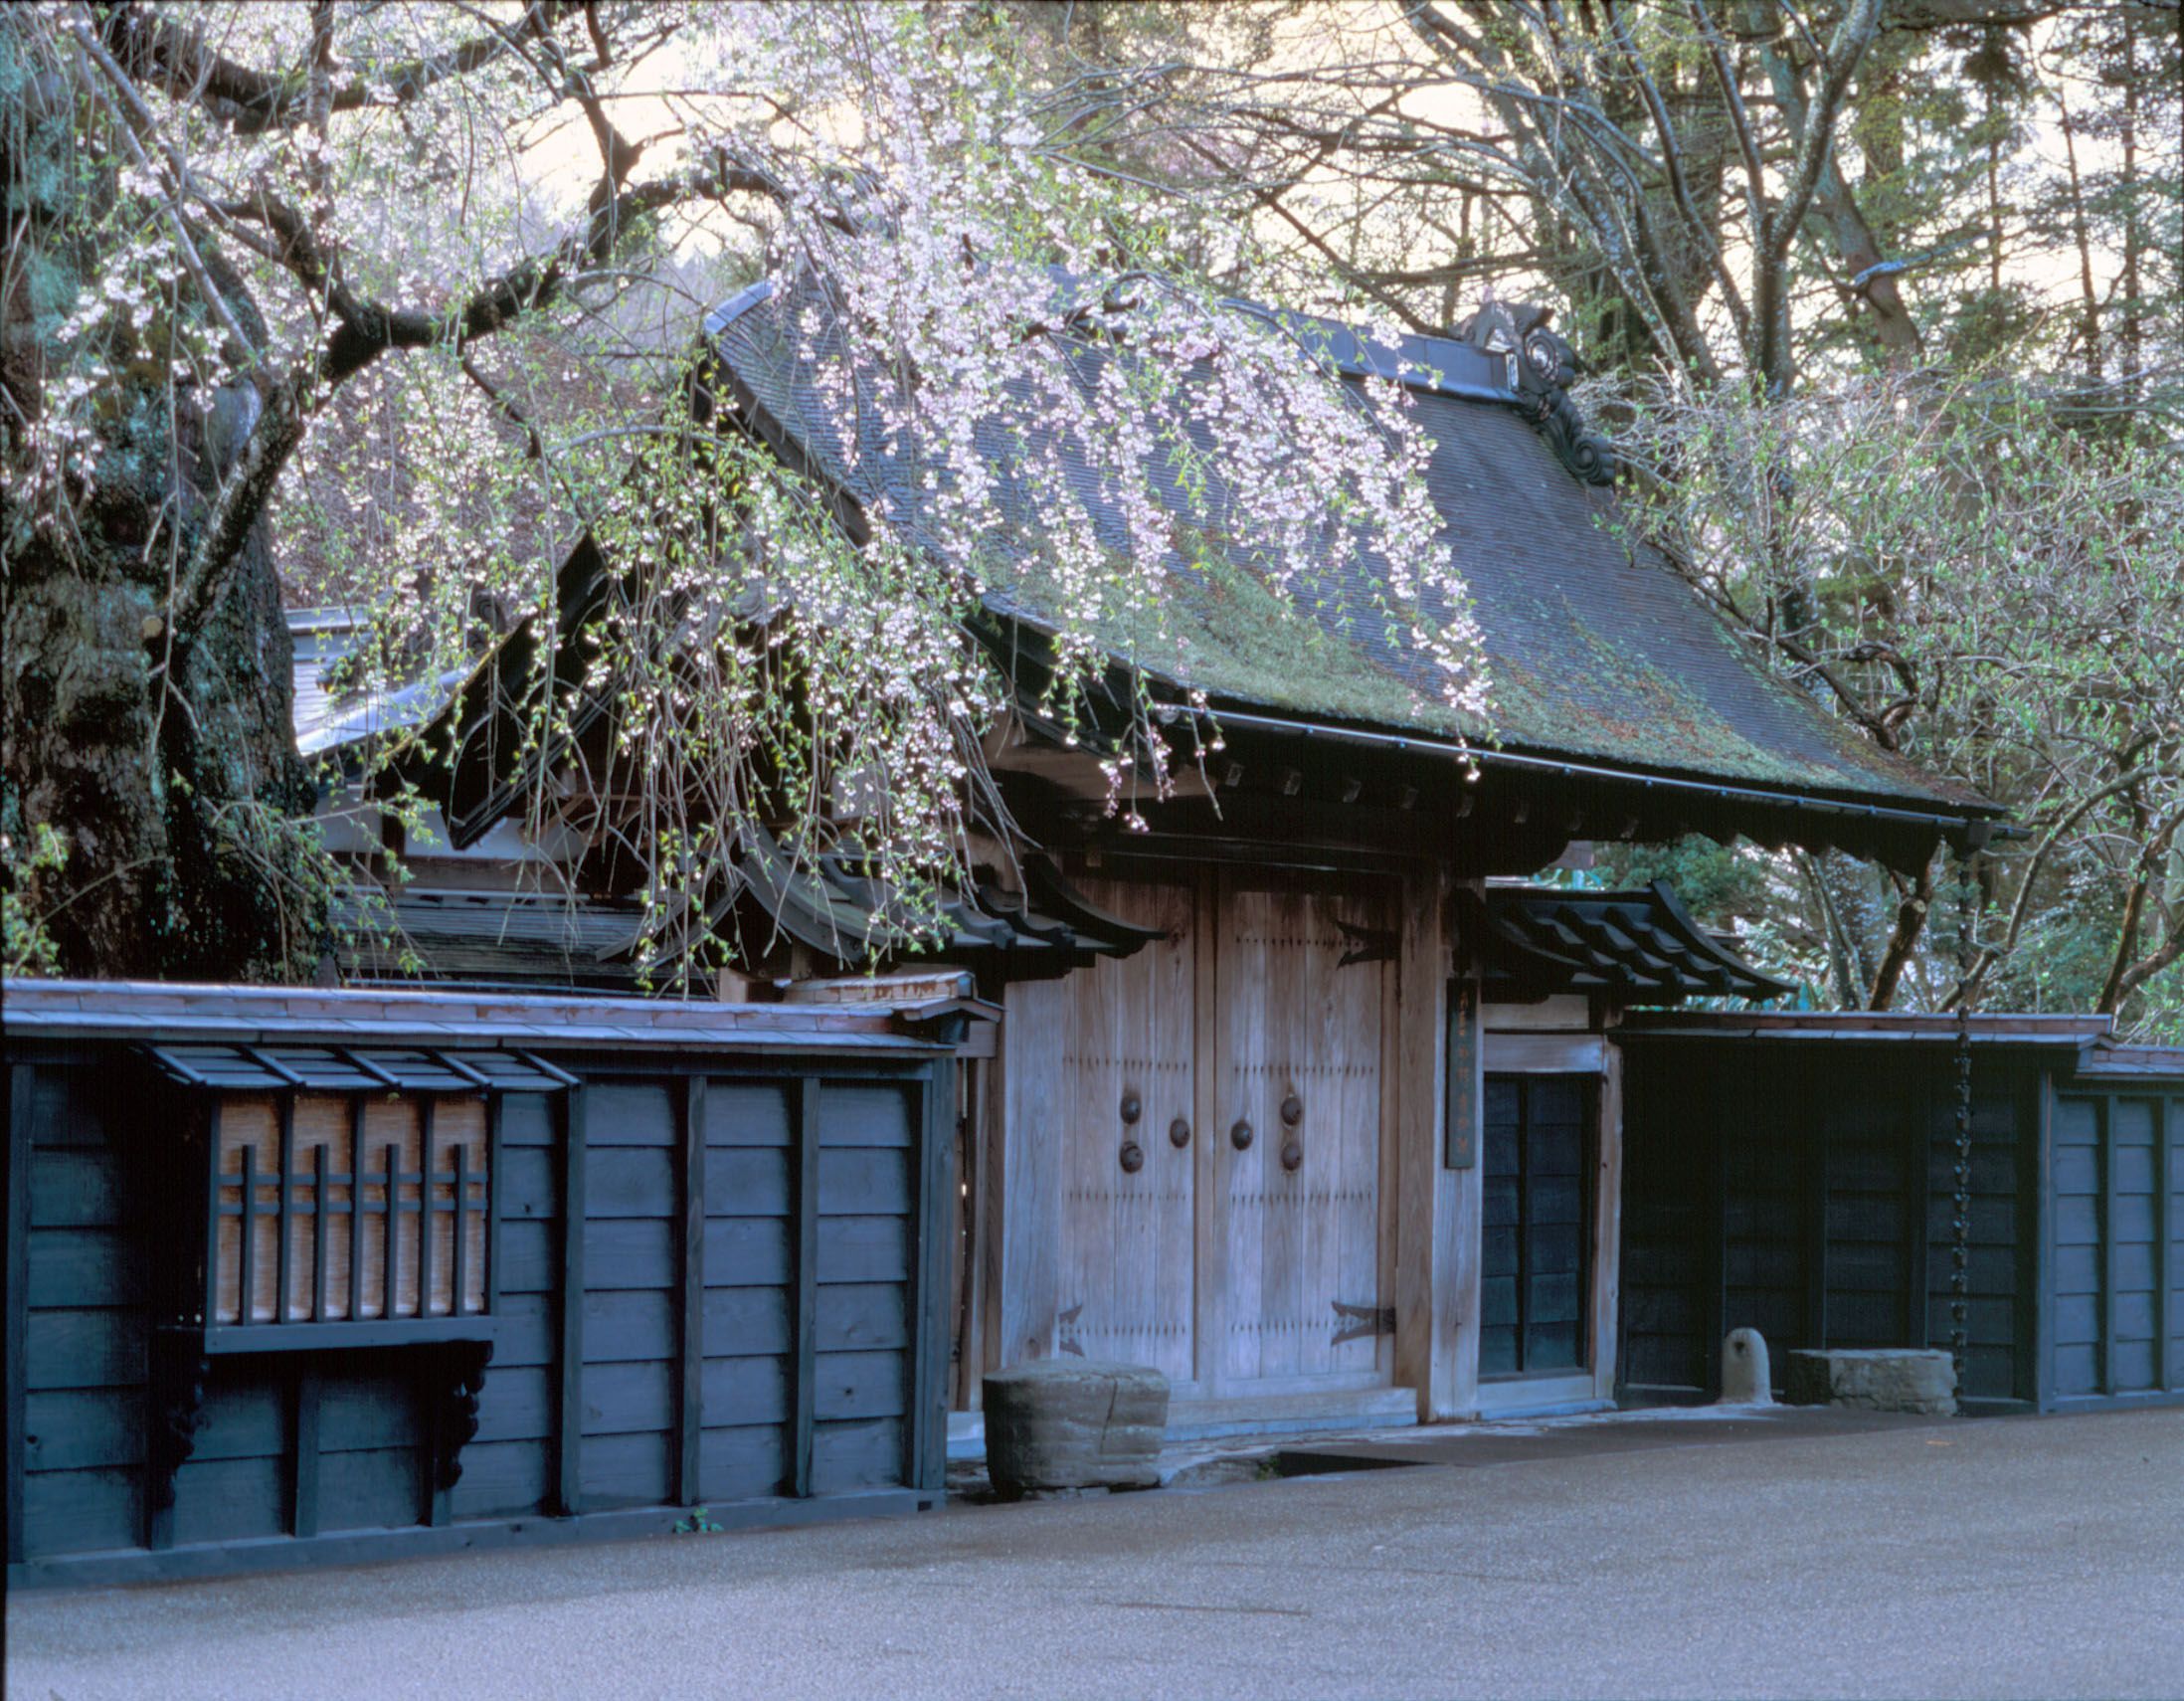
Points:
[[1542, 367]]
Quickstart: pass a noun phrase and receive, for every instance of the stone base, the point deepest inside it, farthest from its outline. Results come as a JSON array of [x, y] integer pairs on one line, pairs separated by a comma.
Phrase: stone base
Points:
[[1873, 1379], [1061, 1423]]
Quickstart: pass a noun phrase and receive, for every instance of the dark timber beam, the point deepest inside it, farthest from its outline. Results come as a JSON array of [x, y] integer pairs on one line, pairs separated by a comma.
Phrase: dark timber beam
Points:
[[569, 1423], [691, 1412], [21, 1089], [805, 1318]]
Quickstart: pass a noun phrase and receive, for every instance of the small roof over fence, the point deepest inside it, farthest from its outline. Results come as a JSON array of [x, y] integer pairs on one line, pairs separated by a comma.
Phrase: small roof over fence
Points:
[[265, 1021], [1639, 945], [2090, 1036]]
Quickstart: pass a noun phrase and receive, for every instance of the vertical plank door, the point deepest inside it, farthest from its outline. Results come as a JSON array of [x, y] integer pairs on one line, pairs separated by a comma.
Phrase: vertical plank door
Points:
[[1127, 1285], [1300, 1068]]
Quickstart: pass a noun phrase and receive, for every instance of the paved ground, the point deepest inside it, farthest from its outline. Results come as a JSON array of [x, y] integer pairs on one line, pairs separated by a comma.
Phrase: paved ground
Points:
[[1999, 1558]]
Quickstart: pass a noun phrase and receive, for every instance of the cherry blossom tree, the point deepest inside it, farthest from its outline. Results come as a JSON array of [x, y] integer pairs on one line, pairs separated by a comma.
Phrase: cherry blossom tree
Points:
[[409, 295]]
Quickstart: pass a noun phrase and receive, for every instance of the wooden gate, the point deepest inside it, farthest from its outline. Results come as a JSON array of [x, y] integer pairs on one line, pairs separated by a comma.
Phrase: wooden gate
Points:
[[1128, 1279], [1297, 1142], [1212, 1105]]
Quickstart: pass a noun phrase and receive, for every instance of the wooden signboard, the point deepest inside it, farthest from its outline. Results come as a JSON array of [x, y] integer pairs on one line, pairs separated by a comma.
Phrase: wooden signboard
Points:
[[1460, 1149]]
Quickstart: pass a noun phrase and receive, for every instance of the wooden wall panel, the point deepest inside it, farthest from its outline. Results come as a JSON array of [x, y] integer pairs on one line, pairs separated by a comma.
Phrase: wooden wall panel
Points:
[[747, 1113], [79, 1342], [368, 1488], [741, 1462], [1999, 1349], [669, 1405], [863, 1453]]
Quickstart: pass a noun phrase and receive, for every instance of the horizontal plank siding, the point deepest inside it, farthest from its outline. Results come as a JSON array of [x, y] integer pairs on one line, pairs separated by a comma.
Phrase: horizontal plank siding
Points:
[[632, 1332], [748, 1113], [2134, 1242], [503, 1479], [1672, 1130], [742, 1461], [1998, 1345], [232, 1499], [84, 1428], [367, 1489], [82, 1511], [86, 1266], [2080, 1276], [856, 1455], [85, 1326], [103, 1348]]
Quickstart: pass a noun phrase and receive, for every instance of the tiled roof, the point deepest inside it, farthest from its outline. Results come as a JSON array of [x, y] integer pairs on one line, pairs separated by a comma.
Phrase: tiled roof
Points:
[[1641, 946]]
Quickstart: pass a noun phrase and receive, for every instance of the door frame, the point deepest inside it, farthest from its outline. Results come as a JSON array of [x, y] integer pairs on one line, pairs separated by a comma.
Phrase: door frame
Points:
[[1526, 1049]]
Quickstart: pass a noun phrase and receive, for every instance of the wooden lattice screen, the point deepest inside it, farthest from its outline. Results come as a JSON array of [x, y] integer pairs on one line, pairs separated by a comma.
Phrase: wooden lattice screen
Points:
[[387, 1198]]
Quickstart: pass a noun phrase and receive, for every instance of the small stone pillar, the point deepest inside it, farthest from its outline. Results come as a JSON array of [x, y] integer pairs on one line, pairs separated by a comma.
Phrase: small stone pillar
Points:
[[1059, 1423], [1746, 1378]]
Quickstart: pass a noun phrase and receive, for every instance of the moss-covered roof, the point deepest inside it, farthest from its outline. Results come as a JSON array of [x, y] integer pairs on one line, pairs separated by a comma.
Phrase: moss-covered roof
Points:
[[1596, 651]]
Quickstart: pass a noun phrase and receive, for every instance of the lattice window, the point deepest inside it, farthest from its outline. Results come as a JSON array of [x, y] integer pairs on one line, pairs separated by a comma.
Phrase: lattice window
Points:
[[348, 1188]]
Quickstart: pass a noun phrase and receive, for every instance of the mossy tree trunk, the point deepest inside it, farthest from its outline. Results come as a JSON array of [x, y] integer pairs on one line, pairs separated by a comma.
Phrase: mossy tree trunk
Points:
[[165, 760]]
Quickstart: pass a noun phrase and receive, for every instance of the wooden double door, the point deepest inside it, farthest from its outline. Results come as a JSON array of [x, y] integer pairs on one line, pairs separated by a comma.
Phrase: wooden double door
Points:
[[1221, 1139]]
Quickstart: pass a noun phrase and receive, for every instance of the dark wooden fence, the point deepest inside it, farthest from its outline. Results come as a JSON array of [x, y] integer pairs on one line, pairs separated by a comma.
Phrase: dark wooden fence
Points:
[[718, 1280], [1797, 1176]]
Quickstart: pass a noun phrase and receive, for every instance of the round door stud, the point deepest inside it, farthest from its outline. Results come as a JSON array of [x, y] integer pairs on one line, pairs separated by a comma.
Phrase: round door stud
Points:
[[1293, 1111], [1133, 1157], [1239, 1135], [1293, 1153], [1179, 1133], [1131, 1107]]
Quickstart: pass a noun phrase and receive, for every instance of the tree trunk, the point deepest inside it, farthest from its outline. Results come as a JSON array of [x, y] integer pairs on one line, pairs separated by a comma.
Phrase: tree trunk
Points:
[[165, 760]]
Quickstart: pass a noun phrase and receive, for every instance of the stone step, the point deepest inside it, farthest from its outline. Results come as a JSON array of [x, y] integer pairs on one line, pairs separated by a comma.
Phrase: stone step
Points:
[[1220, 1420], [1873, 1378], [1292, 1413]]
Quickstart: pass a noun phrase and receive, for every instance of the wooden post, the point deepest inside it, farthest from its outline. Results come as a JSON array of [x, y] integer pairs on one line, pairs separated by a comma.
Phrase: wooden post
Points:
[[803, 1319], [2165, 1239], [1816, 1206], [569, 1425], [283, 1218], [992, 1179], [1209, 1198], [22, 1084], [1716, 1324], [2036, 1264], [1437, 1220], [1030, 1140], [496, 1193], [926, 1438], [2111, 1254], [1917, 1175], [303, 1486], [690, 1411], [1608, 1234]]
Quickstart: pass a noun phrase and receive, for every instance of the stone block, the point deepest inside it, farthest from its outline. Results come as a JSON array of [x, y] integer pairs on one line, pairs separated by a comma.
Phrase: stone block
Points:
[[1873, 1379], [1062, 1424]]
